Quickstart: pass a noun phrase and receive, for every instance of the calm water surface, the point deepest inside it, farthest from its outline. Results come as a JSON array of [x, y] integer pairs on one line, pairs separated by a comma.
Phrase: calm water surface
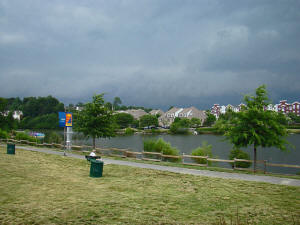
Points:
[[220, 149]]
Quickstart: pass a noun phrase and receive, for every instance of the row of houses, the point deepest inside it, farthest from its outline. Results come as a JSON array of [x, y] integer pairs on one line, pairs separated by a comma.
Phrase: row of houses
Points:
[[165, 119], [283, 107], [17, 115]]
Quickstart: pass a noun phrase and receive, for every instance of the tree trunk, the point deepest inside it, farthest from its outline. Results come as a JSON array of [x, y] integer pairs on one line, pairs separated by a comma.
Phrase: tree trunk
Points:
[[94, 143], [254, 164]]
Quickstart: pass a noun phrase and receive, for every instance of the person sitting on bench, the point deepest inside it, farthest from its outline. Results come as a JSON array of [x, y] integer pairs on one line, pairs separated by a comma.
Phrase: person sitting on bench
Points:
[[93, 153]]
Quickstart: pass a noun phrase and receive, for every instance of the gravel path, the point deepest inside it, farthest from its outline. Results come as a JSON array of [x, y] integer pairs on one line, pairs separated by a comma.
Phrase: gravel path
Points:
[[236, 176]]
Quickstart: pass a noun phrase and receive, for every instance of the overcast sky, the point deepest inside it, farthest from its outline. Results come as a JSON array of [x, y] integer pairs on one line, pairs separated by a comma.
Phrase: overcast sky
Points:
[[152, 53]]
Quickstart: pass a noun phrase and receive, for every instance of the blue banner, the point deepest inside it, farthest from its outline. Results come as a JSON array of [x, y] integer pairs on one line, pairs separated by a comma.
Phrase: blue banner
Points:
[[62, 119]]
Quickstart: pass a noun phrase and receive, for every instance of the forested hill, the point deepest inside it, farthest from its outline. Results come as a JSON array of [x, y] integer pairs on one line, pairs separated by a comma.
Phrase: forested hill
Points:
[[38, 112]]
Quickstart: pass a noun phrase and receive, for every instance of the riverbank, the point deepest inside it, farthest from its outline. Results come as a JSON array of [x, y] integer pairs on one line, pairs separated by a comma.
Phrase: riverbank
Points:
[[58, 190], [200, 130]]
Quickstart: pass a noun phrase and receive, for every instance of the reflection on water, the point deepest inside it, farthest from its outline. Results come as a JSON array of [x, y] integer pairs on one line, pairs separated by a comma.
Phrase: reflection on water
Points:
[[220, 148]]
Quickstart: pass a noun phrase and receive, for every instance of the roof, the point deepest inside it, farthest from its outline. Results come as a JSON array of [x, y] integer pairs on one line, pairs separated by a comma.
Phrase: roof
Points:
[[156, 112], [136, 113]]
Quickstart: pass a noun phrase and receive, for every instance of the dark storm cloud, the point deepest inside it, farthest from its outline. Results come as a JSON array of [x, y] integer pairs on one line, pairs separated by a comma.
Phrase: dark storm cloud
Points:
[[151, 53]]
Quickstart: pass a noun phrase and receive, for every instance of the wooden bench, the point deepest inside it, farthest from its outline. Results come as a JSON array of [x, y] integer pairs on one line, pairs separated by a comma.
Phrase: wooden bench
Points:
[[88, 158]]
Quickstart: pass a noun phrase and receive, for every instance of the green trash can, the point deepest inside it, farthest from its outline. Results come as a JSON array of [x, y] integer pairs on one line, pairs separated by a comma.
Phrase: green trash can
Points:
[[11, 148], [96, 168]]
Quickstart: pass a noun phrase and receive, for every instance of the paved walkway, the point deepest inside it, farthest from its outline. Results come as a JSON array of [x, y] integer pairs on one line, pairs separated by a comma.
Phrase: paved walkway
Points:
[[236, 176]]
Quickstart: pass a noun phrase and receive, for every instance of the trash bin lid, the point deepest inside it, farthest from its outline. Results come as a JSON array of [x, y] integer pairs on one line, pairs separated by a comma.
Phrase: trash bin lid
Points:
[[96, 161]]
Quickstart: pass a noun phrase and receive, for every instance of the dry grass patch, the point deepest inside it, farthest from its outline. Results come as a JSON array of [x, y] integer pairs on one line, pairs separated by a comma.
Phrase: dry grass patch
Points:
[[37, 188]]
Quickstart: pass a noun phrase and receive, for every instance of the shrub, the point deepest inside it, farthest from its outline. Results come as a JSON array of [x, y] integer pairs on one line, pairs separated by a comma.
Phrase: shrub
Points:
[[129, 131], [239, 154], [161, 146], [155, 131], [169, 150], [177, 128], [203, 150], [24, 136], [53, 137], [3, 134], [149, 145]]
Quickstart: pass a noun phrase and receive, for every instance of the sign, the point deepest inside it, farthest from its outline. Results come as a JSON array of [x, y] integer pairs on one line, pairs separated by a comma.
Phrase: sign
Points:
[[69, 119], [62, 119], [65, 119]]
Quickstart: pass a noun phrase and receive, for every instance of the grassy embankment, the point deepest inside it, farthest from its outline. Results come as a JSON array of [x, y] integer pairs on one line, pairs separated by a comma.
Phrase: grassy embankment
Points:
[[36, 188]]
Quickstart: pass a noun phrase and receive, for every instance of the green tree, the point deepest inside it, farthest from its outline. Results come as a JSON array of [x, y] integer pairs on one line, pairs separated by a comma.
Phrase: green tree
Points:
[[294, 118], [124, 119], [180, 126], [255, 126], [3, 105], [95, 120], [195, 122], [109, 105], [7, 121], [229, 114], [135, 123], [185, 122], [148, 120], [14, 104], [210, 119], [117, 102]]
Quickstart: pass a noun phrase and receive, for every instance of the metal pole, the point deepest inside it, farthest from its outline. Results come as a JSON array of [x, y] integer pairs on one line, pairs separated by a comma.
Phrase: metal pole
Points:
[[65, 141], [69, 137]]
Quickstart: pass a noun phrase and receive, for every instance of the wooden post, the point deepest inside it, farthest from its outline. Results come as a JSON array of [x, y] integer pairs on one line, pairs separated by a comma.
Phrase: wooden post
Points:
[[265, 166], [182, 158], [254, 165], [234, 163], [207, 161]]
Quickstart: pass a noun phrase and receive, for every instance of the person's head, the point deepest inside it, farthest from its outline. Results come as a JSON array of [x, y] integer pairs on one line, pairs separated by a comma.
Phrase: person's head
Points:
[[94, 150]]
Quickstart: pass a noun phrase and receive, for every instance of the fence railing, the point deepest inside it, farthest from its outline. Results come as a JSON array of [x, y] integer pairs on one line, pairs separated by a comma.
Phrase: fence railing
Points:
[[156, 156]]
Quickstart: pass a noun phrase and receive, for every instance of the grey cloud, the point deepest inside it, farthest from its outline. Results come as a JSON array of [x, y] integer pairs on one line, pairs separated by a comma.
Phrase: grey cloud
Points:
[[152, 53]]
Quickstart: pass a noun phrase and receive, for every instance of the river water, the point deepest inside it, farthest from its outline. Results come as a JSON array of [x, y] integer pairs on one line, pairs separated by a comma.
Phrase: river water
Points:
[[220, 149]]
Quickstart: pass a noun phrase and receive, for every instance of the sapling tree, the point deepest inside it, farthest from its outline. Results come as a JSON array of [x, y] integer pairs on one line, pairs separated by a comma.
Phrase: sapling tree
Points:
[[255, 126], [95, 120]]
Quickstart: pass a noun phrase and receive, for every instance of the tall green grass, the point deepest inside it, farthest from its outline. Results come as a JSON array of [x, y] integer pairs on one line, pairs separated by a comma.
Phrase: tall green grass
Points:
[[161, 146], [203, 150]]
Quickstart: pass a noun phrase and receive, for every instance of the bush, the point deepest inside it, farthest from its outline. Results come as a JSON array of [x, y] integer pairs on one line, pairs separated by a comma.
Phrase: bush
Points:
[[129, 131], [204, 150], [208, 130], [3, 134], [149, 145], [53, 137], [239, 154], [155, 131], [161, 146], [24, 136], [176, 128]]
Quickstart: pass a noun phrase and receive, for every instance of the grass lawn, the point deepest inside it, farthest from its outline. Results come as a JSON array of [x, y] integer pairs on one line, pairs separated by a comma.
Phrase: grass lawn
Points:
[[36, 188]]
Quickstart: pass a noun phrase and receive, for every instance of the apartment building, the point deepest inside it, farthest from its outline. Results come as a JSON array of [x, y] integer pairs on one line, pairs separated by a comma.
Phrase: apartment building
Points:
[[286, 108], [283, 107], [155, 112], [136, 113], [192, 112]]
